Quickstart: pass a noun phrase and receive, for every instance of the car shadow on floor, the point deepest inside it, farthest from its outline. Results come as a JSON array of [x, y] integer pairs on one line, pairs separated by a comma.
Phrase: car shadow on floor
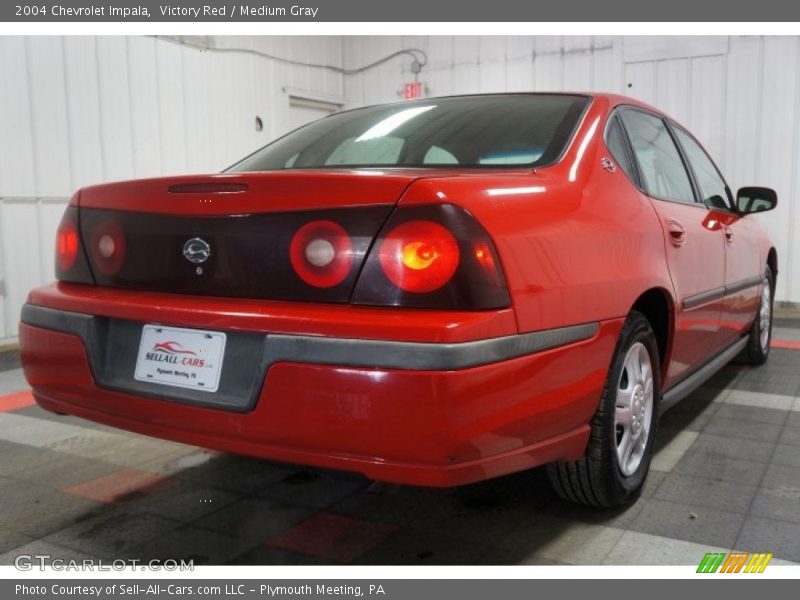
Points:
[[218, 508]]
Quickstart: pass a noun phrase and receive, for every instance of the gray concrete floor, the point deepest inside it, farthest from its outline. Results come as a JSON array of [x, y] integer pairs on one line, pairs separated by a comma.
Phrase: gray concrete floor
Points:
[[726, 476]]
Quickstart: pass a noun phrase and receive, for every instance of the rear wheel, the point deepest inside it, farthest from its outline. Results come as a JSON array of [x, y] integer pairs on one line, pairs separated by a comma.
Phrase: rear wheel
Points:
[[620, 448], [757, 350]]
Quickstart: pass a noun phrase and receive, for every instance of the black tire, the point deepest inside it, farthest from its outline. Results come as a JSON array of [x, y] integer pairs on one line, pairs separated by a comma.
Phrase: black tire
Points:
[[756, 352], [597, 479]]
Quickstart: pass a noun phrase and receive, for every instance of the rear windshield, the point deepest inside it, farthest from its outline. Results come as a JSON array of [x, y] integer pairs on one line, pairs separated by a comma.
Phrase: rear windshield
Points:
[[473, 131]]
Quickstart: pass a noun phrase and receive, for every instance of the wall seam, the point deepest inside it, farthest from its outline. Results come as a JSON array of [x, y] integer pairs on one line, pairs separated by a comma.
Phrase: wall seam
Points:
[[130, 105], [794, 184], [31, 117], [70, 163], [159, 117], [759, 104], [724, 146], [3, 274], [100, 115], [183, 111]]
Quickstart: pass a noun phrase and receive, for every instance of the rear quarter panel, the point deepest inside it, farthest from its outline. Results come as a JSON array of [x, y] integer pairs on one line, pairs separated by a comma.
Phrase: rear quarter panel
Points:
[[578, 243]]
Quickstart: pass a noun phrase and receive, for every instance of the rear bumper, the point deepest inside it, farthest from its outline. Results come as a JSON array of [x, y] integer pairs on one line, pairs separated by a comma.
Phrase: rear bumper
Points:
[[409, 412]]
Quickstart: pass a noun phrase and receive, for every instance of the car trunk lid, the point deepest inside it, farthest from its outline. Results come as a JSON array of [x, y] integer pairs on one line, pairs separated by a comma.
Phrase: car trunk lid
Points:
[[230, 235], [247, 193]]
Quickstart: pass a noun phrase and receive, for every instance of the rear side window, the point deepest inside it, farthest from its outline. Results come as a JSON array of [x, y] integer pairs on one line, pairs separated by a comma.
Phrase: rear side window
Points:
[[663, 172], [615, 141], [712, 187]]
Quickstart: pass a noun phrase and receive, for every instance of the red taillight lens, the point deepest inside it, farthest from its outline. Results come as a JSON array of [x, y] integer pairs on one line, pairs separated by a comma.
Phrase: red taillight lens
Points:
[[67, 243], [107, 247], [432, 256], [419, 256], [71, 262], [321, 253]]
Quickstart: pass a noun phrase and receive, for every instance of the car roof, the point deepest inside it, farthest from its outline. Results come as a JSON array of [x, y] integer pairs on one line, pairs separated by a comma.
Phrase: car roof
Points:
[[612, 99], [620, 100]]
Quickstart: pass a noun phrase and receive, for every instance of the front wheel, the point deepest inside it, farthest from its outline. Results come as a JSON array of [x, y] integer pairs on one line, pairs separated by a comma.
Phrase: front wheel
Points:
[[757, 350], [620, 448]]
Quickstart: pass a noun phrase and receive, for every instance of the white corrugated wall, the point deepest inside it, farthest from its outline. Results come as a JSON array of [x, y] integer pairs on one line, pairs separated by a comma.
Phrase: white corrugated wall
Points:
[[79, 110], [739, 95], [82, 110]]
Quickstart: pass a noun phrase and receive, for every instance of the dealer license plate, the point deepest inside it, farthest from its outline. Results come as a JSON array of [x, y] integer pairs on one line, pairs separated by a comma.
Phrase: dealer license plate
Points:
[[187, 358]]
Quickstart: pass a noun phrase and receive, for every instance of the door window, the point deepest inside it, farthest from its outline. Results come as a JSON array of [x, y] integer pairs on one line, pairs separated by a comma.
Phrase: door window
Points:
[[663, 172], [713, 189]]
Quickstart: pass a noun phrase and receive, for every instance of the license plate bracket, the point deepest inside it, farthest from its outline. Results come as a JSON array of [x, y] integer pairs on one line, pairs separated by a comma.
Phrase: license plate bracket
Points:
[[179, 357]]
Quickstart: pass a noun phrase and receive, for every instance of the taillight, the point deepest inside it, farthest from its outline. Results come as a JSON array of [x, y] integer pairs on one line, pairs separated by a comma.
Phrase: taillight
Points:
[[107, 247], [419, 256], [432, 256], [321, 253], [426, 256], [70, 260]]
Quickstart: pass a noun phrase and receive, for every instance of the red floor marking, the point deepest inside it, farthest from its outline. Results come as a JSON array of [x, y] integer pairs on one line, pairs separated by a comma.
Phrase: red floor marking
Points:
[[113, 488], [788, 344], [16, 400], [334, 537]]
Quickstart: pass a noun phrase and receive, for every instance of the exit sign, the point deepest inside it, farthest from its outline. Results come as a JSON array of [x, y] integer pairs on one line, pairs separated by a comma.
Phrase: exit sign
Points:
[[412, 91]]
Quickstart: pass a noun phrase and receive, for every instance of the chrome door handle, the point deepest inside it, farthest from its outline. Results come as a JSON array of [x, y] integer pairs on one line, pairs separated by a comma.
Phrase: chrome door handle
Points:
[[677, 234]]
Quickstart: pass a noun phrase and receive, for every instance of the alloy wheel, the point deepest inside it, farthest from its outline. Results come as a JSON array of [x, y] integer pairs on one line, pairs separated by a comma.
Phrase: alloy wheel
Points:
[[633, 415], [765, 315]]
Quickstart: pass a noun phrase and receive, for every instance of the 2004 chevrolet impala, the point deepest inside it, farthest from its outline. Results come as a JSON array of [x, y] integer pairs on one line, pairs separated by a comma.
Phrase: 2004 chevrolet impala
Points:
[[433, 292]]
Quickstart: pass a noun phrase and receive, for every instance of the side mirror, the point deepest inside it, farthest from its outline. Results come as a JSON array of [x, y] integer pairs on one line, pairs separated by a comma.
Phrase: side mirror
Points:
[[755, 199]]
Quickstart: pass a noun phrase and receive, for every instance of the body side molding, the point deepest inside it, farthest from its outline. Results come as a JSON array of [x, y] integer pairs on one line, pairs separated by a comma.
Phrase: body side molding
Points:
[[689, 384]]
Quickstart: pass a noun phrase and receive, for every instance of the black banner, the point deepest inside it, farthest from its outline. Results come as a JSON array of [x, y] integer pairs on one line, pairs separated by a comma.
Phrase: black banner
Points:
[[388, 589], [397, 11]]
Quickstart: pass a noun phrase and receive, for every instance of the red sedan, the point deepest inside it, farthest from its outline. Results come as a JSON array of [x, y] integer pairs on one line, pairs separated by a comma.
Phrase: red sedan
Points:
[[432, 292]]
